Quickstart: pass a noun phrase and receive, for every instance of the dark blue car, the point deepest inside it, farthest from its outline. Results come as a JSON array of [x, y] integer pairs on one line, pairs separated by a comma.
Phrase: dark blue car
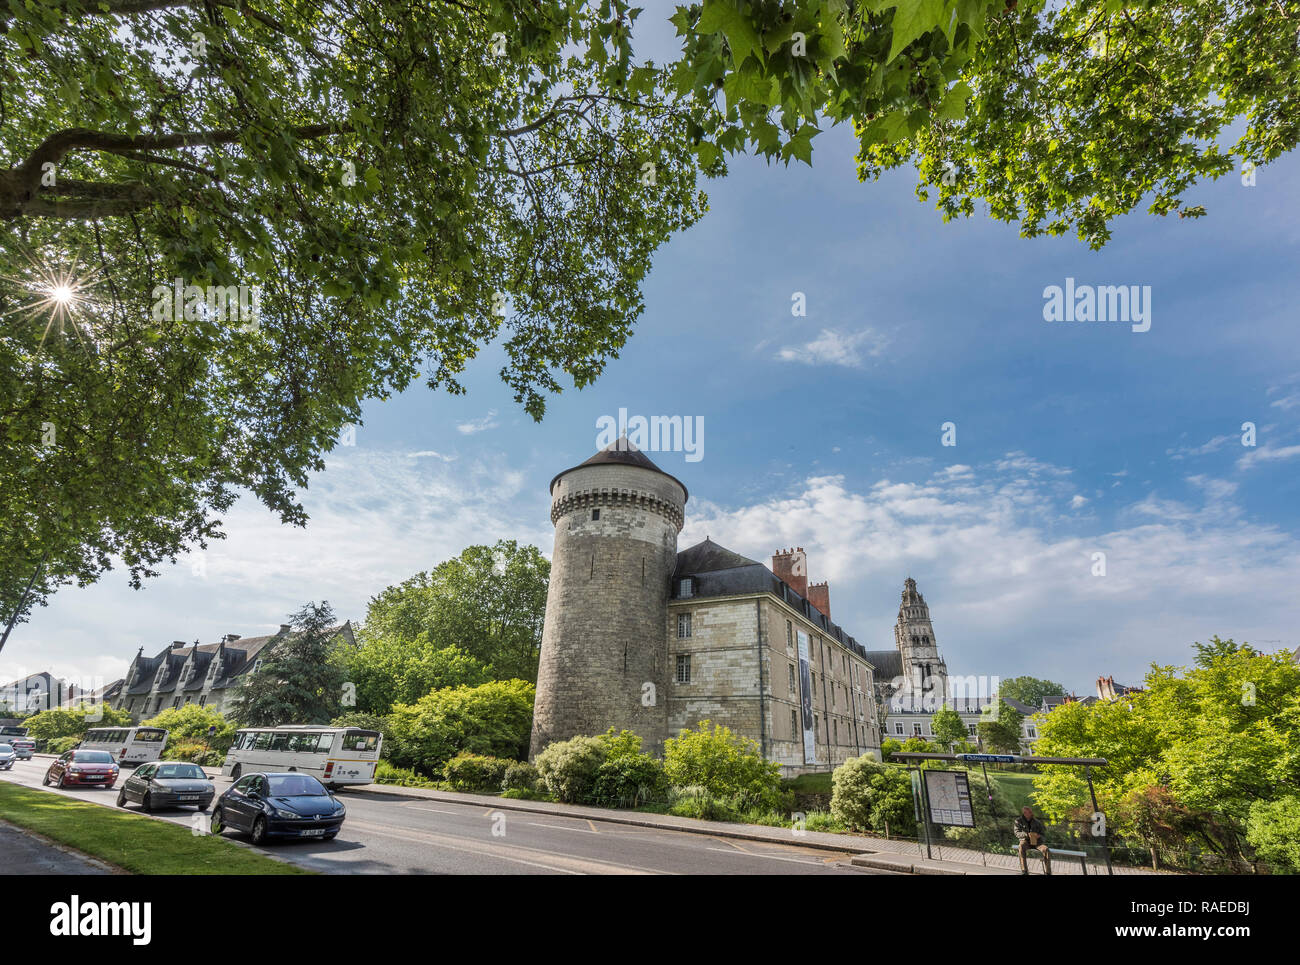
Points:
[[288, 805]]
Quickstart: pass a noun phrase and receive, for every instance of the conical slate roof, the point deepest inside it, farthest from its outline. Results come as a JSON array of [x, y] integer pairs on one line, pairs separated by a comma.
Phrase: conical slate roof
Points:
[[621, 452]]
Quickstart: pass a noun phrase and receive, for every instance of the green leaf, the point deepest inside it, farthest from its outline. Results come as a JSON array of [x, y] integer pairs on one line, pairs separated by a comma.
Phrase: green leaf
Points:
[[913, 19]]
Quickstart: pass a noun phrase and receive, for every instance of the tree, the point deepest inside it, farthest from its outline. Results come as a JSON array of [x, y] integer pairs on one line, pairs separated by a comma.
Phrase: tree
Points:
[[1000, 731], [389, 670], [1029, 690], [52, 724], [191, 723], [948, 727], [489, 601], [869, 796], [299, 682], [1273, 830], [494, 719], [350, 192], [1058, 116]]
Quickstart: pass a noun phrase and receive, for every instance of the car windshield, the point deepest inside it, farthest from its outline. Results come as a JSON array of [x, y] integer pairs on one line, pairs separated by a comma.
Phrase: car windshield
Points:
[[181, 771], [6, 749], [92, 757], [294, 785]]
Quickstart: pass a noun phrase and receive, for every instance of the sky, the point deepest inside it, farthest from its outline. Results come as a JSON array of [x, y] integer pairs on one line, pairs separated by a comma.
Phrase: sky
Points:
[[825, 430]]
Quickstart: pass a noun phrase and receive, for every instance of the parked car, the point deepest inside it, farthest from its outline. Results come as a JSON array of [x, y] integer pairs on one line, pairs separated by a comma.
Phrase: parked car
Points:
[[82, 767], [167, 784], [291, 805], [23, 748], [7, 757]]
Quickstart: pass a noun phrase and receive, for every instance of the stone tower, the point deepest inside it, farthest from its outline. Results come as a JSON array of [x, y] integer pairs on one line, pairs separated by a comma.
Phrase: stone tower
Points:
[[925, 672], [604, 659]]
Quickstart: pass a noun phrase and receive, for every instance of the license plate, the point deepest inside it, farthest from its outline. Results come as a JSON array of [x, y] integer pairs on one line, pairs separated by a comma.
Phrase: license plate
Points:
[[189, 797], [311, 832]]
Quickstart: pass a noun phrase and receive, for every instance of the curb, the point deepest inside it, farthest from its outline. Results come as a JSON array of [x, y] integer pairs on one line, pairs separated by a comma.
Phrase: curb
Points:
[[919, 866]]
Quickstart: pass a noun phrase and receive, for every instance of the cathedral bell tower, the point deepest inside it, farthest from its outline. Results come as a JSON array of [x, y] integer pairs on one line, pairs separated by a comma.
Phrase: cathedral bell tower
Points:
[[925, 672]]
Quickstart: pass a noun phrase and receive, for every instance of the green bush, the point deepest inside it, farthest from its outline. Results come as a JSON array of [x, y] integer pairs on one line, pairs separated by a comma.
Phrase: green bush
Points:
[[696, 801], [386, 773], [869, 796], [194, 751], [189, 724], [519, 776], [1273, 830], [48, 725], [888, 748], [58, 745], [728, 765], [475, 772], [568, 768], [495, 719], [823, 821], [526, 794], [629, 781]]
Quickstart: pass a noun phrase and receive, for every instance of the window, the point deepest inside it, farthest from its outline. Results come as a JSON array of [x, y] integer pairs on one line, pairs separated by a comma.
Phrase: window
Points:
[[686, 587], [595, 515], [835, 730], [257, 665], [916, 730], [789, 635], [832, 696], [683, 625], [178, 701], [683, 668], [790, 667], [813, 678], [970, 729], [280, 742], [1032, 732], [794, 724], [262, 740], [203, 700], [898, 727], [817, 728]]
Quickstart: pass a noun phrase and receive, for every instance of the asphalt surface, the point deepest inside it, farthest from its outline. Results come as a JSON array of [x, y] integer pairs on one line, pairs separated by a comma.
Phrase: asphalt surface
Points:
[[398, 835]]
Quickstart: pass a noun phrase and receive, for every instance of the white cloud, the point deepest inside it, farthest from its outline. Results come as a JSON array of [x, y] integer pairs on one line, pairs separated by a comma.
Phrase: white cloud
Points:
[[1267, 454], [474, 426], [1078, 501], [833, 347], [1010, 581], [1182, 452]]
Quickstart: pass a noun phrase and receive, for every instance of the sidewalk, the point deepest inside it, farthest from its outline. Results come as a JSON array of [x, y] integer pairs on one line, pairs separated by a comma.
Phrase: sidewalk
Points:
[[28, 853]]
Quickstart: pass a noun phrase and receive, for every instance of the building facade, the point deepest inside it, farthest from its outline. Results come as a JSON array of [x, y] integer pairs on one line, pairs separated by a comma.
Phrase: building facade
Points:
[[204, 674], [642, 637]]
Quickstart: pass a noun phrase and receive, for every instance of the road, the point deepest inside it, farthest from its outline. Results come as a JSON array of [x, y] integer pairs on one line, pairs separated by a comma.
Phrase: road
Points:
[[400, 835]]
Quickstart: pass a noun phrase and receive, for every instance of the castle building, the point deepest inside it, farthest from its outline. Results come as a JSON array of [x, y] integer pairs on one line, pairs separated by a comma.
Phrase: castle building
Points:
[[640, 636], [204, 674]]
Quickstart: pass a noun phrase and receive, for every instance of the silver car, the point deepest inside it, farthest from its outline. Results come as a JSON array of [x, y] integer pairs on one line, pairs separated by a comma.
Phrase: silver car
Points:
[[7, 757], [167, 784]]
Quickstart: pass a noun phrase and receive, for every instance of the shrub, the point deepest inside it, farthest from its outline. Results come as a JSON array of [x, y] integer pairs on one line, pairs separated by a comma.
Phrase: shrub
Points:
[[1273, 830], [386, 773], [696, 801], [194, 751], [868, 796], [628, 781], [58, 745], [495, 718], [568, 768], [888, 748], [475, 772], [728, 765], [48, 725], [526, 794], [519, 776], [189, 724]]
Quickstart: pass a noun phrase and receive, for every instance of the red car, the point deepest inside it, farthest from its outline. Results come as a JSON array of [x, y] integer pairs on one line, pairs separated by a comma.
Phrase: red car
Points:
[[82, 767]]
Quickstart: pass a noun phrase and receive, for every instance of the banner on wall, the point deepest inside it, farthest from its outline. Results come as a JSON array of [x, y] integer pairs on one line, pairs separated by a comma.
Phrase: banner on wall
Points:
[[805, 690]]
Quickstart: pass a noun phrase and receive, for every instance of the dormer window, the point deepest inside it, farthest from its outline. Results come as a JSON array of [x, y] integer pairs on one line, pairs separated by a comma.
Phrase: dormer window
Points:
[[257, 665], [686, 587]]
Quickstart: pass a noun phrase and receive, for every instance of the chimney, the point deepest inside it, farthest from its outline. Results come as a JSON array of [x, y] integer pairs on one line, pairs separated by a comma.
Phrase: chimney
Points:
[[177, 644], [819, 595], [792, 567], [230, 638], [285, 627]]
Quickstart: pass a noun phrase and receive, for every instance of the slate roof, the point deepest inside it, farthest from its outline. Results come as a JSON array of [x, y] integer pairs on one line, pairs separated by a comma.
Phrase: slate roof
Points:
[[888, 663], [745, 576], [621, 452]]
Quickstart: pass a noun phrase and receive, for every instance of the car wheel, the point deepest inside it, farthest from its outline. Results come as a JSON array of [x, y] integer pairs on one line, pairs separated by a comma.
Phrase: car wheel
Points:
[[216, 825], [60, 783], [45, 781], [239, 769], [145, 804], [121, 799], [258, 834]]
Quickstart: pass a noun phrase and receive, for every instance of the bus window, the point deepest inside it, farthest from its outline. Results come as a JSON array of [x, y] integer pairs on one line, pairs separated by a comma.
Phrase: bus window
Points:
[[150, 735], [299, 743], [360, 740], [262, 740], [325, 744], [280, 742]]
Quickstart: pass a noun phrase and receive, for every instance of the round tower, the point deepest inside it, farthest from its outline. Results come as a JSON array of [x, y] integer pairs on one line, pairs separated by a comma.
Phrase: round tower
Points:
[[604, 642]]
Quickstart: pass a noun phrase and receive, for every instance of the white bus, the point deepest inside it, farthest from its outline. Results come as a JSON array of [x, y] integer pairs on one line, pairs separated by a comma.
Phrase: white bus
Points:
[[128, 745], [334, 755]]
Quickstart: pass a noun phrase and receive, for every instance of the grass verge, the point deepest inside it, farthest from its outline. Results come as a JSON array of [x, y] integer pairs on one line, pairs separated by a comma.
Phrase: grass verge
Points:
[[136, 843]]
